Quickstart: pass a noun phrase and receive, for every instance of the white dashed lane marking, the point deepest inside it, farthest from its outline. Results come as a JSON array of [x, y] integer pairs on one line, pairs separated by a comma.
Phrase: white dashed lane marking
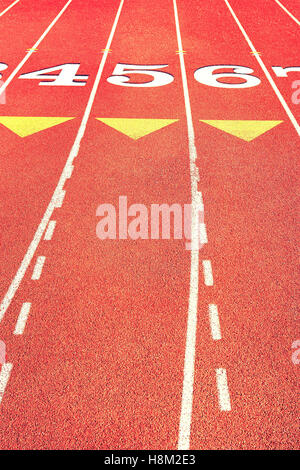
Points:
[[4, 378], [38, 268], [21, 323], [223, 391], [207, 271], [214, 322], [50, 230]]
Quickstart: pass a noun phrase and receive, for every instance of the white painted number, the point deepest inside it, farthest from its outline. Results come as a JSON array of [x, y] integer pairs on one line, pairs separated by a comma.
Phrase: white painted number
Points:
[[283, 71], [66, 76], [3, 66], [206, 76], [121, 75]]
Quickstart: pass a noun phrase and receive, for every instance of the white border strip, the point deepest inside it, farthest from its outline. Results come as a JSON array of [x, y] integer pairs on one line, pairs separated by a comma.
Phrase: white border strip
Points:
[[266, 72], [4, 377], [64, 176], [288, 12], [190, 347], [29, 54], [9, 7]]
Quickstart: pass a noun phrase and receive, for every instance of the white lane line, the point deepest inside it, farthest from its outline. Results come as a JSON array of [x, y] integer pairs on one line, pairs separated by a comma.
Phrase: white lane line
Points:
[[266, 72], [60, 199], [202, 234], [38, 268], [50, 230], [35, 46], [4, 377], [22, 319], [70, 171], [64, 176], [223, 390], [214, 322], [207, 271], [190, 346], [288, 12], [9, 7]]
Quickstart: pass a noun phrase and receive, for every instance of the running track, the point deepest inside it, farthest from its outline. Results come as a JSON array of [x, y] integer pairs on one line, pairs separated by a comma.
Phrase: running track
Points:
[[143, 344]]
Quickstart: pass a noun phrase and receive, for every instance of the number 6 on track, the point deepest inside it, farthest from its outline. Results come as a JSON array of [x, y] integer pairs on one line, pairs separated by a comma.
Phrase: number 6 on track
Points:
[[121, 76]]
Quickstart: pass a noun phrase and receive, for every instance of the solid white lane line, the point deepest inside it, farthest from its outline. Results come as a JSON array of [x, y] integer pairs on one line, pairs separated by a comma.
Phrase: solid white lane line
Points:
[[50, 230], [35, 46], [207, 271], [60, 199], [266, 72], [214, 322], [38, 268], [22, 319], [288, 12], [64, 176], [190, 347], [9, 7], [223, 390], [4, 377]]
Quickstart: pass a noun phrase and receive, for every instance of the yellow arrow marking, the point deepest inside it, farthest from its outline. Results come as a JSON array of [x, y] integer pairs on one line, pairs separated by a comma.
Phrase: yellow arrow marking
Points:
[[246, 130], [27, 125], [136, 128]]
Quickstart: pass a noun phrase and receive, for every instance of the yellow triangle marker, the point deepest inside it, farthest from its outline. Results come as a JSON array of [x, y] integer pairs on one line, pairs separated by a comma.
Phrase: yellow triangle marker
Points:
[[246, 130], [136, 128], [28, 125]]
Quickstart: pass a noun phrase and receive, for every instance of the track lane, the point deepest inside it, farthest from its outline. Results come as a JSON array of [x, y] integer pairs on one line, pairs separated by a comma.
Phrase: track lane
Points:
[[120, 367], [249, 198]]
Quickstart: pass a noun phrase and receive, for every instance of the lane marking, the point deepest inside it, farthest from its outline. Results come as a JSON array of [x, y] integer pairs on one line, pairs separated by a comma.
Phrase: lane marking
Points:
[[203, 233], [24, 126], [22, 319], [4, 377], [35, 46], [60, 199], [9, 7], [266, 72], [6, 301], [190, 347], [288, 12], [223, 390], [246, 129], [136, 128], [214, 322], [38, 268], [50, 230], [207, 271]]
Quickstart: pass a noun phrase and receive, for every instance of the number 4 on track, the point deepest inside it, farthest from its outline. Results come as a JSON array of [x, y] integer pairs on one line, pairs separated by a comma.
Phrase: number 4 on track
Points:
[[66, 76]]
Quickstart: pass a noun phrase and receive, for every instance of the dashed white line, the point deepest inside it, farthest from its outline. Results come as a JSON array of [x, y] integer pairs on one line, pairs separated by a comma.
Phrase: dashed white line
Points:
[[266, 72], [38, 268], [190, 346], [214, 322], [64, 176], [207, 271], [22, 319], [60, 199], [202, 233], [4, 377], [9, 7], [223, 390], [35, 46], [288, 12], [50, 230]]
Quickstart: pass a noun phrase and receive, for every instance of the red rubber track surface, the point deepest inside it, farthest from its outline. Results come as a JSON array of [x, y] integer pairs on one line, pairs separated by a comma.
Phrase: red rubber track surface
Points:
[[100, 363]]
